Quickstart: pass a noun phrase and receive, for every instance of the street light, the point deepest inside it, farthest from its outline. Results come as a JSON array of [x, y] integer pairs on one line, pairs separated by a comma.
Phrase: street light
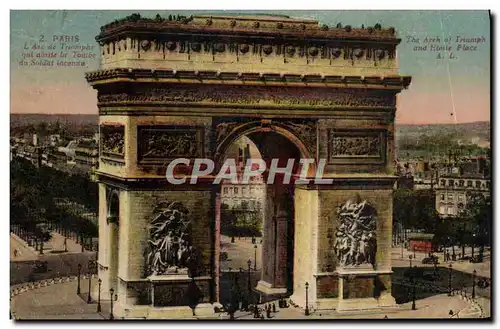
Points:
[[89, 300], [474, 284], [79, 271], [413, 279], [449, 280], [307, 299], [99, 296], [249, 263], [111, 292], [255, 258]]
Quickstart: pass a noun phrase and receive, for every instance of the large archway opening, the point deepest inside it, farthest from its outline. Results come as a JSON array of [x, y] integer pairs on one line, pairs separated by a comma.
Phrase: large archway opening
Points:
[[257, 220]]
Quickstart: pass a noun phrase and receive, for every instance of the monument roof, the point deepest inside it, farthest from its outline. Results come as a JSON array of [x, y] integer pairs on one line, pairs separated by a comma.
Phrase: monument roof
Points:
[[265, 26]]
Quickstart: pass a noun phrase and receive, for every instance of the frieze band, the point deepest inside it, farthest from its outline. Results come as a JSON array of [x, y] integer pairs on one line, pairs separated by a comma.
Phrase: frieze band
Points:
[[244, 95]]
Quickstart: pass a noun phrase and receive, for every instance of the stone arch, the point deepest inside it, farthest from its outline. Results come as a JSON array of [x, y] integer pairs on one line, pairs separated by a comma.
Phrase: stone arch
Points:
[[263, 126], [113, 209]]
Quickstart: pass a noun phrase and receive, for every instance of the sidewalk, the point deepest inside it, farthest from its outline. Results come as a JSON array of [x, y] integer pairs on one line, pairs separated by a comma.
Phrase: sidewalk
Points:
[[482, 269], [60, 301], [54, 246]]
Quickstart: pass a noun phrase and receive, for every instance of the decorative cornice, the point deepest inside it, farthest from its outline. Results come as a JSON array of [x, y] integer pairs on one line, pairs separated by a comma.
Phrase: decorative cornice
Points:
[[173, 76], [269, 27]]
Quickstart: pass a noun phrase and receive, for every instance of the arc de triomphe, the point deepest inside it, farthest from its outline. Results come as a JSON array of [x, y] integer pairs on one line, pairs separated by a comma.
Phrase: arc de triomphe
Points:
[[181, 87]]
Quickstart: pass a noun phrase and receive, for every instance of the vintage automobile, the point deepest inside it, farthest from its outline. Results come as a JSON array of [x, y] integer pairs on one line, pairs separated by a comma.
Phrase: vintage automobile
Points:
[[430, 260]]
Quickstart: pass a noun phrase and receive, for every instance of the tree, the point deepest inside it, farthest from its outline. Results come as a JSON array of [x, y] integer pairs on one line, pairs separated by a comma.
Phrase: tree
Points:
[[415, 209], [478, 212]]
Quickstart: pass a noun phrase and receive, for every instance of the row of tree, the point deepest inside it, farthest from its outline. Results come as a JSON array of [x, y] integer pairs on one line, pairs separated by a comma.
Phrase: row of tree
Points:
[[33, 209], [241, 220], [415, 210]]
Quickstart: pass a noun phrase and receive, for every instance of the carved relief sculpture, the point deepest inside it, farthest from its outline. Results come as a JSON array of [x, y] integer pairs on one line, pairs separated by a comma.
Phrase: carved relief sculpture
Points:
[[251, 96], [356, 239], [356, 145], [168, 143], [170, 248], [112, 140], [306, 130]]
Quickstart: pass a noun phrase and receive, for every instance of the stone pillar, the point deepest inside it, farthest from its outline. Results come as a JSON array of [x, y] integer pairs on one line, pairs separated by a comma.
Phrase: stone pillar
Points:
[[281, 251], [268, 243], [217, 247], [113, 256], [102, 256]]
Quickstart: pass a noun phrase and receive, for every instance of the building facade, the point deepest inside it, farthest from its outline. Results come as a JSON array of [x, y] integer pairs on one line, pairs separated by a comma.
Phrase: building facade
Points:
[[451, 193]]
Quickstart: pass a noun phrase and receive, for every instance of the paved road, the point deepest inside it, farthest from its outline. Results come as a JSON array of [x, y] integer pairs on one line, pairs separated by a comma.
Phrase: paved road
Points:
[[240, 252], [60, 301]]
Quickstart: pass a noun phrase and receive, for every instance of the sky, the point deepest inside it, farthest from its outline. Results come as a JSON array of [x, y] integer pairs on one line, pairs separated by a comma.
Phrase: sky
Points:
[[439, 86]]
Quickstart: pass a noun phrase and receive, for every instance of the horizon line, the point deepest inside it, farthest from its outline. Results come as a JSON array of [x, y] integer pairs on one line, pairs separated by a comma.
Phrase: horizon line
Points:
[[401, 123]]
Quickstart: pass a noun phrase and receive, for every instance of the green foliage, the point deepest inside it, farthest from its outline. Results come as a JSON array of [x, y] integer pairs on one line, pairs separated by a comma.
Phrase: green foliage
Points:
[[415, 209], [32, 194], [478, 212], [241, 220]]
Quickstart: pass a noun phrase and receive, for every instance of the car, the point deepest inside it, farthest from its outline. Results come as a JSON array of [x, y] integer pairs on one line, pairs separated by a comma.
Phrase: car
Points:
[[430, 260], [40, 267]]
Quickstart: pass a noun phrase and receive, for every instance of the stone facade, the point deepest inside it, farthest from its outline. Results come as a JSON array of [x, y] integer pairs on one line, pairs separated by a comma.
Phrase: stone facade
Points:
[[162, 95]]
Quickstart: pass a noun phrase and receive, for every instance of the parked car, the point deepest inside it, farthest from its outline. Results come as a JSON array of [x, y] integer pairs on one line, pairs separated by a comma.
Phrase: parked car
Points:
[[430, 260]]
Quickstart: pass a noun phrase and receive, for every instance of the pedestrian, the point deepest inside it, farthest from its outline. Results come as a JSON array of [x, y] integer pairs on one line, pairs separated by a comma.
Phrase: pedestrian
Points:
[[274, 307], [15, 252], [268, 311]]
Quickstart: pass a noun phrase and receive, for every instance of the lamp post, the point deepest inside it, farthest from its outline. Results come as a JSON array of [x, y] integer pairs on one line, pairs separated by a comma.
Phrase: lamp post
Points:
[[249, 263], [99, 296], [111, 292], [413, 279], [474, 284], [410, 260], [449, 280], [78, 286], [89, 300], [307, 299], [255, 257]]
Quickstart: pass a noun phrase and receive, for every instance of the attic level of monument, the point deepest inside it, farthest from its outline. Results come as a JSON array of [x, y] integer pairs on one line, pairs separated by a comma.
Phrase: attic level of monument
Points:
[[267, 27], [248, 44]]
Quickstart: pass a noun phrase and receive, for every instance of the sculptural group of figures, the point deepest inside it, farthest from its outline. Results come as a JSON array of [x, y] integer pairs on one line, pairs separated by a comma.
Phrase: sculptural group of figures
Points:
[[356, 235], [169, 244]]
